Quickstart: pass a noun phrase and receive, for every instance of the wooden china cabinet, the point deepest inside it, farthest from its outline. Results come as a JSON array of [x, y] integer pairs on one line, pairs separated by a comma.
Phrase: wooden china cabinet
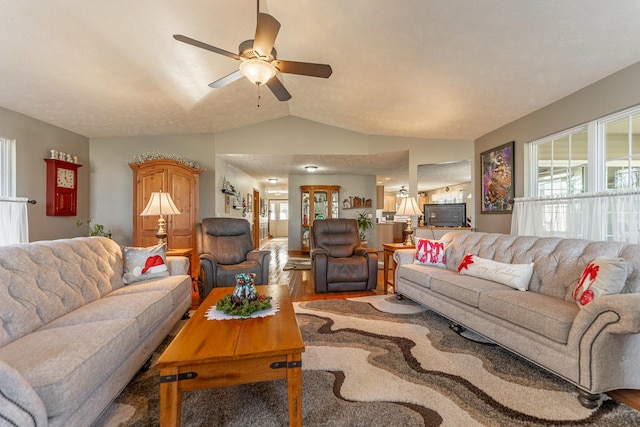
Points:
[[318, 202], [182, 183]]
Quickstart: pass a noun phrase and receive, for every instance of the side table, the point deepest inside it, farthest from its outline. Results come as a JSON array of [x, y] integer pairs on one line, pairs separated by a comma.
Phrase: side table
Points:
[[193, 268], [389, 263]]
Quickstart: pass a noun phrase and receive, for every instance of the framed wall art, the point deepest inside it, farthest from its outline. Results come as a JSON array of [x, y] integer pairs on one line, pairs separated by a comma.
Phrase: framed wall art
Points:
[[496, 179]]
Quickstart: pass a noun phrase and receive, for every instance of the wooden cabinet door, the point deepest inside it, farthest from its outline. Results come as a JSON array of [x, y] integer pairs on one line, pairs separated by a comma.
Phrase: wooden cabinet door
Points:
[[182, 183], [180, 228]]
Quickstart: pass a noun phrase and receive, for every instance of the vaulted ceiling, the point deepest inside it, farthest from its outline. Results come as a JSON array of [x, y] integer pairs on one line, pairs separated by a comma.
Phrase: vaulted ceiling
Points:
[[453, 69]]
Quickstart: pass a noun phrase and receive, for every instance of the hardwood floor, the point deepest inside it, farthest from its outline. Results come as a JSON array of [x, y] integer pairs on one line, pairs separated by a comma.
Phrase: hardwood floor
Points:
[[301, 288]]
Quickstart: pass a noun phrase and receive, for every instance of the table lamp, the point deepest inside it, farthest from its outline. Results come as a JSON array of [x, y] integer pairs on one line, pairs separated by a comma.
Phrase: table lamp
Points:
[[160, 204], [408, 207]]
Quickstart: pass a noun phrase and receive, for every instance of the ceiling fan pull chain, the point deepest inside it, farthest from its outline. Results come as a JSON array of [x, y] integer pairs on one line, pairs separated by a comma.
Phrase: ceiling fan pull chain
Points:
[[258, 95]]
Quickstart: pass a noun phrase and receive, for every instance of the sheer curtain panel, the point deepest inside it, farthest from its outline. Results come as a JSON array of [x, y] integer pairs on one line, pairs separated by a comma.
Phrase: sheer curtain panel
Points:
[[607, 215], [14, 222]]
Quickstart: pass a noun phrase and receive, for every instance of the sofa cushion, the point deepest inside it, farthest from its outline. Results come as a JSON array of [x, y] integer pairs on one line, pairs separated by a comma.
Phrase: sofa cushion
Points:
[[465, 289], [421, 274], [545, 315], [146, 308], [602, 276], [351, 269], [144, 263], [430, 252], [516, 276], [65, 365], [178, 286]]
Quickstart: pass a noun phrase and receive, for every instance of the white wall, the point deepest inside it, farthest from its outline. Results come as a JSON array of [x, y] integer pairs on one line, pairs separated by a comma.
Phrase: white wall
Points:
[[34, 139]]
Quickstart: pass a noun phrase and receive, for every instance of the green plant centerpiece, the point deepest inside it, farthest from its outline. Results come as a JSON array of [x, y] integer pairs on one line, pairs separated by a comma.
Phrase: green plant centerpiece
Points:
[[245, 300], [95, 229], [364, 223]]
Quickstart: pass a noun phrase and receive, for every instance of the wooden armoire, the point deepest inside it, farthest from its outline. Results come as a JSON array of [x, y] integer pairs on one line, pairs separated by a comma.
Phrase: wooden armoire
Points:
[[182, 183]]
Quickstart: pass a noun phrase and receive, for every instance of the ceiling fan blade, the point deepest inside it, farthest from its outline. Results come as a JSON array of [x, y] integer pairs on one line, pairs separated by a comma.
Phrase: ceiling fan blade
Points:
[[303, 68], [202, 45], [278, 89], [266, 32], [230, 78]]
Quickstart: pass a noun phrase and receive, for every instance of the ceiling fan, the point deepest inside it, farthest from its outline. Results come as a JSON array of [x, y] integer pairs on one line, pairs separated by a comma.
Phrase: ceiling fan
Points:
[[259, 63]]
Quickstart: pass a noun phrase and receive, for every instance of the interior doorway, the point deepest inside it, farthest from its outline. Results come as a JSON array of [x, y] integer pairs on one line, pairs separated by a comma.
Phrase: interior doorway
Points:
[[279, 217]]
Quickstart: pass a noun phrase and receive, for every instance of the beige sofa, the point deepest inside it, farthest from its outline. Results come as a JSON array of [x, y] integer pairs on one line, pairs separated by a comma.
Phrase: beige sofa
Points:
[[73, 335], [596, 347]]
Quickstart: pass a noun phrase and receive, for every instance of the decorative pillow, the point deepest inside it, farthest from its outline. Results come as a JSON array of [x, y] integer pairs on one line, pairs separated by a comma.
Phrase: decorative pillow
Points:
[[602, 276], [144, 263], [430, 252], [514, 275]]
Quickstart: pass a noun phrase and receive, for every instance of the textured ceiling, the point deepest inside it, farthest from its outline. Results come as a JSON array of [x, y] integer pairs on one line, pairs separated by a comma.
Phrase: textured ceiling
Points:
[[452, 69]]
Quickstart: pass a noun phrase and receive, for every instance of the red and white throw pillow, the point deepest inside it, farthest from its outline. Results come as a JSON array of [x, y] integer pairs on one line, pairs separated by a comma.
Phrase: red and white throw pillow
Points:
[[144, 263], [430, 252], [515, 276], [601, 276]]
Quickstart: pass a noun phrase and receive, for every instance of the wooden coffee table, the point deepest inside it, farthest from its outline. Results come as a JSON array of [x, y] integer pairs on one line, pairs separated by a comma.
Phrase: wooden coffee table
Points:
[[218, 353]]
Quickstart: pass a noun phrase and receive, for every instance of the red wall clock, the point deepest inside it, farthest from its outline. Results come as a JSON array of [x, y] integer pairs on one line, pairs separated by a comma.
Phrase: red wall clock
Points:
[[62, 187]]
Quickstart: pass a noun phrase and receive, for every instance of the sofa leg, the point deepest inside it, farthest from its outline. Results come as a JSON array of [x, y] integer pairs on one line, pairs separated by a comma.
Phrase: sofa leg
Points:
[[588, 400], [146, 365], [399, 297], [457, 328], [185, 316]]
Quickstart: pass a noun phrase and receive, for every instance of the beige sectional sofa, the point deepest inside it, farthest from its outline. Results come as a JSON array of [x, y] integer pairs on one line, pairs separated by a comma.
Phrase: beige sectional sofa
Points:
[[596, 347], [73, 335]]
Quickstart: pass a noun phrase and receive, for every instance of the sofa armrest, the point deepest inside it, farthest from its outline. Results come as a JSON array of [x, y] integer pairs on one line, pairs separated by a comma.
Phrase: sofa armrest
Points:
[[622, 308], [178, 265], [20, 405], [404, 256]]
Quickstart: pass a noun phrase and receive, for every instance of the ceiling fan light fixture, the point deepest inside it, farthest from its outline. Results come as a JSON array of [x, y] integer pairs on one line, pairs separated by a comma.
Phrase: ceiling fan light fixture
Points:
[[257, 71]]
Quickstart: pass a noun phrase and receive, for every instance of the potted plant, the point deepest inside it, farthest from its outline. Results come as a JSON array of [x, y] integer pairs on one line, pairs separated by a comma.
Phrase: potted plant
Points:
[[95, 229], [364, 223]]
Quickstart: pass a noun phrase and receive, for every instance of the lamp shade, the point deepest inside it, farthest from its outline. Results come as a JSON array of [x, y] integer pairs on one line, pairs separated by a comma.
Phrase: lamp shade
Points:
[[408, 207], [160, 204], [258, 72]]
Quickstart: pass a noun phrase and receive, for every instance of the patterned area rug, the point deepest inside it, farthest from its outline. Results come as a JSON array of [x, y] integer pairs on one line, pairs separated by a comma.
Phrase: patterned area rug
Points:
[[376, 361], [297, 264]]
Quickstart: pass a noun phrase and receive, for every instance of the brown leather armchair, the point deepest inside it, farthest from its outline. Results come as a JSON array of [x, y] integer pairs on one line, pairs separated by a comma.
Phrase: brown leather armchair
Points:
[[338, 263], [225, 248]]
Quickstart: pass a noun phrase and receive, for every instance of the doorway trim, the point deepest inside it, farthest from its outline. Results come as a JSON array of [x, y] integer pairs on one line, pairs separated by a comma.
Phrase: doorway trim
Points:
[[256, 218]]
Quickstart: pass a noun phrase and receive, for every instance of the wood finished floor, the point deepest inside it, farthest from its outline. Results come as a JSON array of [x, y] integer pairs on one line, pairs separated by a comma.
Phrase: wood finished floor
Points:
[[301, 287]]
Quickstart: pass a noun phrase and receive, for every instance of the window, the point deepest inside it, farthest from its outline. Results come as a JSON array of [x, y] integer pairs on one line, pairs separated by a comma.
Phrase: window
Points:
[[605, 150], [561, 163], [585, 182], [7, 162], [621, 143]]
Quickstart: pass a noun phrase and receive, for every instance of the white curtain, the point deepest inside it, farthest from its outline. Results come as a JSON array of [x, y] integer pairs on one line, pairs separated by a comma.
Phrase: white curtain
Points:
[[608, 215], [14, 222]]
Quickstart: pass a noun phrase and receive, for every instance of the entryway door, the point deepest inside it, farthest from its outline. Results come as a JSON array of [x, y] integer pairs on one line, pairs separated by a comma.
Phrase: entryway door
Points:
[[279, 218]]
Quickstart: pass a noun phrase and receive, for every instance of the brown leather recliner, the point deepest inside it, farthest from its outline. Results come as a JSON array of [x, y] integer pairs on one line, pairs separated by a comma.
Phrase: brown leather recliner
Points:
[[225, 248], [338, 263]]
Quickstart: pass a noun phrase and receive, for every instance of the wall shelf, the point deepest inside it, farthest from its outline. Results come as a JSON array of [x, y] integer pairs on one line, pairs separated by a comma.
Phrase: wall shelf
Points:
[[233, 193]]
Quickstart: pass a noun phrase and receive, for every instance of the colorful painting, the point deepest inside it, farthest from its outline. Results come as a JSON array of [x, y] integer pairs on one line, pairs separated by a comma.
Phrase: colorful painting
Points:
[[497, 179]]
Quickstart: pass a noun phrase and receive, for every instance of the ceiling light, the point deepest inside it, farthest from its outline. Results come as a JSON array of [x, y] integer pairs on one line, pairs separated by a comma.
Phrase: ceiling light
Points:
[[311, 168], [257, 71], [272, 180], [403, 192]]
